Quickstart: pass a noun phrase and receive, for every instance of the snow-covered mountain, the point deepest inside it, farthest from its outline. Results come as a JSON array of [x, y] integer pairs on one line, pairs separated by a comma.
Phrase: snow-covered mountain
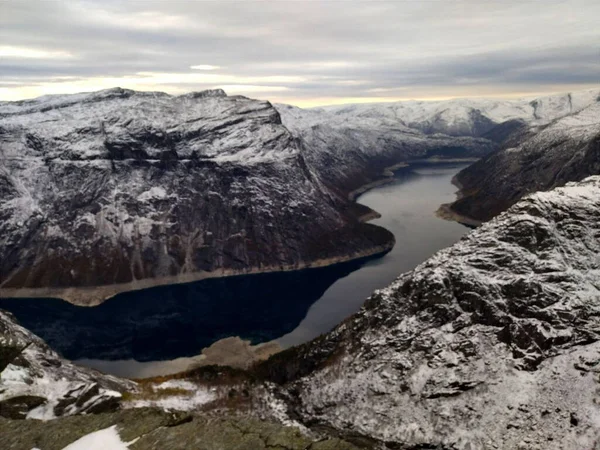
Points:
[[566, 149], [465, 117], [351, 149], [120, 190], [491, 343], [120, 187]]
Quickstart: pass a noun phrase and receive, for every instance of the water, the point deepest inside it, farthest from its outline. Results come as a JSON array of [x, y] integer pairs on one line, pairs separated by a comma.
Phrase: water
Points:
[[407, 207], [129, 333]]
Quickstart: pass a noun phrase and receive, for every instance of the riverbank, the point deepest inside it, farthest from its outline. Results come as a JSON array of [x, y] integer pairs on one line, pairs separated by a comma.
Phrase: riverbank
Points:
[[446, 212]]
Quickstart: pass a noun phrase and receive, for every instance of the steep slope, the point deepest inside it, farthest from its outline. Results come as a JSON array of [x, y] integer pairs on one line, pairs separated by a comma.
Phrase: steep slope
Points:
[[351, 150], [35, 382], [568, 149], [492, 343], [124, 189]]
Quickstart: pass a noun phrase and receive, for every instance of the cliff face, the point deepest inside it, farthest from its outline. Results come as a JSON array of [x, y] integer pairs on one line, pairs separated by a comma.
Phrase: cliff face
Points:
[[491, 343], [120, 186], [544, 157]]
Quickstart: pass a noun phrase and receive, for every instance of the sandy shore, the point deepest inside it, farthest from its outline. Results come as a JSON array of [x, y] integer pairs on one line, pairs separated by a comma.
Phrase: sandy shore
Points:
[[232, 351]]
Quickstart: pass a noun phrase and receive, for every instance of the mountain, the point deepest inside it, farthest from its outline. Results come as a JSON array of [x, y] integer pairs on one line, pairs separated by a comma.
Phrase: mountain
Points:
[[352, 150], [119, 190], [468, 117], [491, 343], [543, 157]]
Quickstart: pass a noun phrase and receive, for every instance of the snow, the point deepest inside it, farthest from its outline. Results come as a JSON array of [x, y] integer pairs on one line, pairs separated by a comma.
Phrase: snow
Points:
[[155, 192], [177, 384], [456, 112], [185, 402], [106, 439], [47, 375]]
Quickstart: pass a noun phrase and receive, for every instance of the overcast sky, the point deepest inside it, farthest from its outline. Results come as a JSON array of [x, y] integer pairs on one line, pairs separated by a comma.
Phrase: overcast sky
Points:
[[302, 52]]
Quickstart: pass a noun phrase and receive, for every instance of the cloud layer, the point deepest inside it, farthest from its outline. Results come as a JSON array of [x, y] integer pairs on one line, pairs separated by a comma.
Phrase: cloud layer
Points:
[[303, 52]]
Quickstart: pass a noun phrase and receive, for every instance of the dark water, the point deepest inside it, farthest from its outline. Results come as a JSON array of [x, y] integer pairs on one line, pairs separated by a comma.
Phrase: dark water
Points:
[[168, 322]]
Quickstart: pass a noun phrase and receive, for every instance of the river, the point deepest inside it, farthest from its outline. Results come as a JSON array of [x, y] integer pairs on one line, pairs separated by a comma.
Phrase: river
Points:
[[157, 330]]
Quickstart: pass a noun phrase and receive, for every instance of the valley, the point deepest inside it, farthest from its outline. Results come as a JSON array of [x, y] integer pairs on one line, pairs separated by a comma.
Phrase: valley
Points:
[[213, 254], [139, 332]]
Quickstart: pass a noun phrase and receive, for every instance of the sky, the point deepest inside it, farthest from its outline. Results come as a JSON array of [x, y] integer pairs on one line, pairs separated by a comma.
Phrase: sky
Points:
[[307, 53]]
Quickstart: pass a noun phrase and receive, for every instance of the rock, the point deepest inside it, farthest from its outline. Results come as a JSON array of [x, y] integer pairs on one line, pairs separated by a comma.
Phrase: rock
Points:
[[17, 407], [39, 374], [530, 309], [155, 429]]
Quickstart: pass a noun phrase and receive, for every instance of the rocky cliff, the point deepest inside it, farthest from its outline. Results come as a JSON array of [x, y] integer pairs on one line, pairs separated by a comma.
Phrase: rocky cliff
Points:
[[533, 158], [491, 343], [123, 188]]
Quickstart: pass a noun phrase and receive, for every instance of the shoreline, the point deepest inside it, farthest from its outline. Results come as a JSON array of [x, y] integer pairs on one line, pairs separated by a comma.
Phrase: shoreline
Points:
[[387, 177], [91, 296], [96, 295], [231, 351], [446, 212]]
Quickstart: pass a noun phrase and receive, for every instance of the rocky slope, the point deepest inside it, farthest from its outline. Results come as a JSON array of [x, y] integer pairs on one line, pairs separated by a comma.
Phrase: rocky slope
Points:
[[35, 382], [48, 403], [491, 343], [535, 157], [129, 189]]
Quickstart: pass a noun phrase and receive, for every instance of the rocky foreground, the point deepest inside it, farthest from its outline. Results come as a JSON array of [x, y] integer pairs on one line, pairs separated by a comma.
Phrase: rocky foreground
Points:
[[492, 343]]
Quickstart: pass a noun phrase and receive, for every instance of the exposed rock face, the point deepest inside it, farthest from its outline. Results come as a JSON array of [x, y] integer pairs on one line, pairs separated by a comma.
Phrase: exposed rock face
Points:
[[492, 343], [120, 186], [538, 158], [35, 382]]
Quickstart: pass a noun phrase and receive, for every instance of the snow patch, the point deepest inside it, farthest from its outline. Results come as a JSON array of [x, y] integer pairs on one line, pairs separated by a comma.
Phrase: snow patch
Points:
[[106, 439]]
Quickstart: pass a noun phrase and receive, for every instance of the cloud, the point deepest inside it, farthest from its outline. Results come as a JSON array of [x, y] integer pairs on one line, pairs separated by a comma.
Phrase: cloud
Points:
[[304, 52], [204, 67]]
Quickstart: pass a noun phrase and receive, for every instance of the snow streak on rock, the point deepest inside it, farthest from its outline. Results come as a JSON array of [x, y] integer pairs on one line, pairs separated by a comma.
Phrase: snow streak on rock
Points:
[[35, 382]]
